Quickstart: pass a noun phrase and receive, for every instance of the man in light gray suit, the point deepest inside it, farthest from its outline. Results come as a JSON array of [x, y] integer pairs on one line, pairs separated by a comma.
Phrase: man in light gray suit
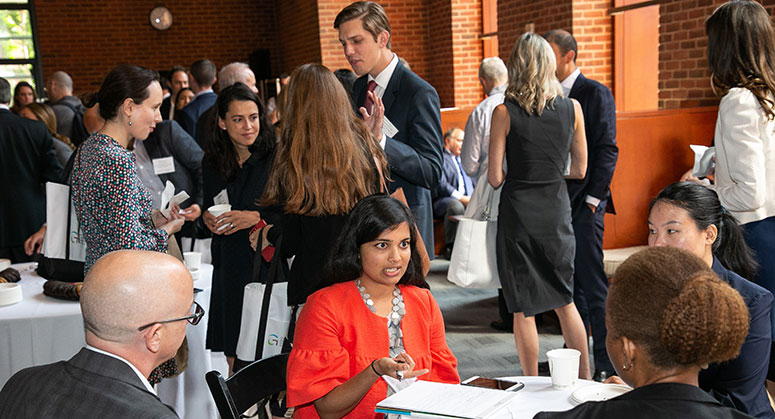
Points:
[[136, 305]]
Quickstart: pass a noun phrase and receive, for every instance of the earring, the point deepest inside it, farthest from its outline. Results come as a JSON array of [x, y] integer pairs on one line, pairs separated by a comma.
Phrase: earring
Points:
[[626, 367], [130, 123]]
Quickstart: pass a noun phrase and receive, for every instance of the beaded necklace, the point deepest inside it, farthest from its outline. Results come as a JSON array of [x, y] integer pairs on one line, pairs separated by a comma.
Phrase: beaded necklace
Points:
[[394, 318]]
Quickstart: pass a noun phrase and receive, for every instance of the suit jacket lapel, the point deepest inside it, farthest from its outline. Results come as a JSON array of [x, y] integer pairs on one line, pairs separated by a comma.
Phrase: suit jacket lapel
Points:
[[393, 87], [577, 85]]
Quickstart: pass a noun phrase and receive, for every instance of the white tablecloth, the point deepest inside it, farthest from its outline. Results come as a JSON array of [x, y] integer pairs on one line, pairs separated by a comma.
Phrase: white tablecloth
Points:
[[41, 330], [539, 396]]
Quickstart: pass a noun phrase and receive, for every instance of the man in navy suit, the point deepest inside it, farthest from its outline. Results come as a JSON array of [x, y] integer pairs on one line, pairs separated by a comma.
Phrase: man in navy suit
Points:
[[410, 131], [135, 305], [201, 78], [451, 196], [590, 197]]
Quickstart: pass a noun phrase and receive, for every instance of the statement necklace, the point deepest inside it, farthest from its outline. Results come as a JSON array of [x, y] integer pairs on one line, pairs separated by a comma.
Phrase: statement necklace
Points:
[[398, 309]]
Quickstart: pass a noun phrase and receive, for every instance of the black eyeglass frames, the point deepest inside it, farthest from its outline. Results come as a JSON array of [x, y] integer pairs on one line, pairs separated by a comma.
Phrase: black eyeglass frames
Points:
[[191, 318]]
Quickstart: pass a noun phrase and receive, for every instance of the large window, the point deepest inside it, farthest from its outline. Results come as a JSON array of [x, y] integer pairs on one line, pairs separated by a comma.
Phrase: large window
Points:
[[19, 54]]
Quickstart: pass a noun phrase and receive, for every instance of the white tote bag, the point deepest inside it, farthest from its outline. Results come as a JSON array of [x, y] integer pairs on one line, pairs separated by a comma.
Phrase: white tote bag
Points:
[[474, 263], [277, 322], [63, 251]]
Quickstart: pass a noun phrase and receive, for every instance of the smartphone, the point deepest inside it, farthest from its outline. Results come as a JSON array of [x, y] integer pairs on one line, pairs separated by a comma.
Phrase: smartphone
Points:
[[494, 383]]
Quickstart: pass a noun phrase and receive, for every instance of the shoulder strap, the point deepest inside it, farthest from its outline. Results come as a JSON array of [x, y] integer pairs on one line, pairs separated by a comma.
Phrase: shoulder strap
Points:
[[275, 270]]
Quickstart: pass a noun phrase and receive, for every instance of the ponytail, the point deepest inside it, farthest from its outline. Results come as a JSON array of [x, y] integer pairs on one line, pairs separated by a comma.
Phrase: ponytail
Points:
[[730, 247]]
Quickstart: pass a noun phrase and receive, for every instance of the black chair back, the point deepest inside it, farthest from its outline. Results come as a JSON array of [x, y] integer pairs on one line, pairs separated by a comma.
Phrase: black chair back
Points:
[[251, 385]]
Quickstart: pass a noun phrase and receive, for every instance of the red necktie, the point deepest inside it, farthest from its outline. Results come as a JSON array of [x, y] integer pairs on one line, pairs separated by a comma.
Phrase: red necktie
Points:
[[368, 102]]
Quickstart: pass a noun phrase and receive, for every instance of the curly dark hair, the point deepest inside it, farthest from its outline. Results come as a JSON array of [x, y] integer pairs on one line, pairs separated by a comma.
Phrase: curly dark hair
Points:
[[219, 152], [670, 302], [369, 218]]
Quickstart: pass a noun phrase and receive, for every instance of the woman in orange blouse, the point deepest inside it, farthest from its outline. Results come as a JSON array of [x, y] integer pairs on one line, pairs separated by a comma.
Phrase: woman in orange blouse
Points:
[[377, 320]]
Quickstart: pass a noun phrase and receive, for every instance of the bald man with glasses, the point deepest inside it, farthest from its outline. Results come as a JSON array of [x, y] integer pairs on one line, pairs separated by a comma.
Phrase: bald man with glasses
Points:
[[136, 305]]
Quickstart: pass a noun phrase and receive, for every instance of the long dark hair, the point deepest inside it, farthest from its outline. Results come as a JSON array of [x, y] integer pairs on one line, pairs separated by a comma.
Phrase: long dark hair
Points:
[[741, 50], [219, 150], [369, 218], [123, 82], [704, 208]]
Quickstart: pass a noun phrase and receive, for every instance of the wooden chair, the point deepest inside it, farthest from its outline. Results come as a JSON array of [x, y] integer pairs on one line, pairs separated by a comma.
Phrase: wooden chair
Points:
[[251, 385]]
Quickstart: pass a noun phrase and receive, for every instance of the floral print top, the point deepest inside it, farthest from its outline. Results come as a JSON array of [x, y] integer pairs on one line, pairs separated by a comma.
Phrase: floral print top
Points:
[[113, 206]]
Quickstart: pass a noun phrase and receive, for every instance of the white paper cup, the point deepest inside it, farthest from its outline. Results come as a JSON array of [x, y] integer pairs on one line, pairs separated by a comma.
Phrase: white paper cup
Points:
[[10, 293], [217, 210], [564, 367], [5, 264], [193, 260]]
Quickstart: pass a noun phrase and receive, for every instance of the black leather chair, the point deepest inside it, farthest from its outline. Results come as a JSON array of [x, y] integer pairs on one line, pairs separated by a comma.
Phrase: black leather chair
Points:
[[254, 384]]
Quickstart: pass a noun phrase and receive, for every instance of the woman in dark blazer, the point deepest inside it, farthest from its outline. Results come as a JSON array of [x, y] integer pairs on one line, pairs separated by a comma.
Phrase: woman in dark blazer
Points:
[[668, 315], [690, 216], [236, 164]]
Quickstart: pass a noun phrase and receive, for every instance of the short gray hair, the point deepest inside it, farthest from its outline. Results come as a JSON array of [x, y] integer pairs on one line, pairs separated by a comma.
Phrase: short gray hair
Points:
[[233, 73], [5, 91], [493, 70]]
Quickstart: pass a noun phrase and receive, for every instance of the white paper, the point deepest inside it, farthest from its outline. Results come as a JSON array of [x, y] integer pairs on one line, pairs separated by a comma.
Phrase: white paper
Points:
[[703, 160], [163, 166], [167, 199], [222, 198], [388, 128], [430, 398]]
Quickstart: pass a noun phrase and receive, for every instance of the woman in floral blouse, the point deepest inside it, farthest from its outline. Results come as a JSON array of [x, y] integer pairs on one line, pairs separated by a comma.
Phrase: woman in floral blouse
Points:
[[113, 207]]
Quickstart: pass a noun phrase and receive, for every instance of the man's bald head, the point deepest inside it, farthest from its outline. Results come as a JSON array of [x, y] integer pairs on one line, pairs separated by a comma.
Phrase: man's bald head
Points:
[[130, 288], [237, 72]]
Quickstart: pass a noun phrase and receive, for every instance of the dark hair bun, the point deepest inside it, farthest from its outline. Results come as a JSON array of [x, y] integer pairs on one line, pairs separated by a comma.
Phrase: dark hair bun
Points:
[[707, 322]]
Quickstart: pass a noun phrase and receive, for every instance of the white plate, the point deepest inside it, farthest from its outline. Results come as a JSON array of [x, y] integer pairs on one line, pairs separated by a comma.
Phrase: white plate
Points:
[[598, 393]]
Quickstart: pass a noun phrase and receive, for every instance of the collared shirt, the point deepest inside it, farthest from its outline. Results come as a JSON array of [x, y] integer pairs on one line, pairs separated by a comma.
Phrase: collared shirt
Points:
[[201, 93], [382, 80], [461, 183], [139, 374], [4, 106], [476, 140], [567, 85]]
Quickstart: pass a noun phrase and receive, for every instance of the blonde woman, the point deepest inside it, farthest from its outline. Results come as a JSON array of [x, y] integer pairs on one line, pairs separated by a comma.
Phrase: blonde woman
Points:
[[536, 128]]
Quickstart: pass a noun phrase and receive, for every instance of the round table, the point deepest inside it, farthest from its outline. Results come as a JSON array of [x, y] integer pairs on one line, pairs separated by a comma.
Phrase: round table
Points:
[[539, 396], [41, 330]]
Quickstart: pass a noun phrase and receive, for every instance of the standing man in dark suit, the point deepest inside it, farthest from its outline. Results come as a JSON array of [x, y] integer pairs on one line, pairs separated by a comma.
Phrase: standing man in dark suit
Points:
[[135, 306], [590, 197], [451, 196], [27, 159], [178, 80], [201, 77], [410, 131]]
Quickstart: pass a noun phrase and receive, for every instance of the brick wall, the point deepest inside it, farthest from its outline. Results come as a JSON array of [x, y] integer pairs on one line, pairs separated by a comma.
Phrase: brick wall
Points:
[[299, 37], [593, 30], [441, 53], [513, 15], [88, 38], [467, 51]]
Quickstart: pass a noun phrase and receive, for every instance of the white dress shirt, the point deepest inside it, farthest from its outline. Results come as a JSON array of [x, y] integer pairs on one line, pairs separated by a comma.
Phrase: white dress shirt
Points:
[[567, 85], [382, 80], [476, 141], [139, 374], [745, 157]]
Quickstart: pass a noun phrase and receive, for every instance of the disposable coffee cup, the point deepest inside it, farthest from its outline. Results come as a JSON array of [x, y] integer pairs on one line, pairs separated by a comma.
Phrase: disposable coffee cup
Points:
[[217, 210], [192, 260], [564, 367]]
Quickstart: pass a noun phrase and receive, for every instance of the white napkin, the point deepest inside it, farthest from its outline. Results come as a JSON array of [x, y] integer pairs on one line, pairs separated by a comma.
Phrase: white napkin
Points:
[[703, 164], [167, 200], [396, 385]]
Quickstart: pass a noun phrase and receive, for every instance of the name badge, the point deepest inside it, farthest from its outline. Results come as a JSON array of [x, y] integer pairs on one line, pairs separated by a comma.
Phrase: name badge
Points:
[[388, 128], [163, 166]]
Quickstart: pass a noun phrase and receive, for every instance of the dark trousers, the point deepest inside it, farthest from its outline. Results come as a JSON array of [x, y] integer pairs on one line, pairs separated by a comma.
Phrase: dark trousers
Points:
[[760, 237], [590, 284], [454, 207], [15, 254]]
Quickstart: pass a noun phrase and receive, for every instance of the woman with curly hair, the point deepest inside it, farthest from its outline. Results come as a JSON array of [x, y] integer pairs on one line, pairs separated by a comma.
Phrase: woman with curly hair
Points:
[[668, 316]]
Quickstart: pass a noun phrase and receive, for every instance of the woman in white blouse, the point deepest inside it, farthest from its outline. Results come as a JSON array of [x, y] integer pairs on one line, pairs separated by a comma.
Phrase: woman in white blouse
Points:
[[741, 55]]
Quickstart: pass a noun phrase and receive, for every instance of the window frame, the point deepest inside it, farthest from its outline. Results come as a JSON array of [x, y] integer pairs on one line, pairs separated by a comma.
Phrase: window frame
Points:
[[37, 67]]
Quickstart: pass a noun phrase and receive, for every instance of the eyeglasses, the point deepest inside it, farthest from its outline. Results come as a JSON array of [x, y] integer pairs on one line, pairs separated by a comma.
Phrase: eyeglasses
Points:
[[191, 318]]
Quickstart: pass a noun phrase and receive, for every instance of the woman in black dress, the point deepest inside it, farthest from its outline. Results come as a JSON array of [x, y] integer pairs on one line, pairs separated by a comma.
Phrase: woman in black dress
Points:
[[236, 165], [536, 128]]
